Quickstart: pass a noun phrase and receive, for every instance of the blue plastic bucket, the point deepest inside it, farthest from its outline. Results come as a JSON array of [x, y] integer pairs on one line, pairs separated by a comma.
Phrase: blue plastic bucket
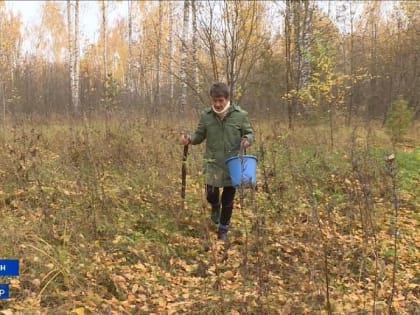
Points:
[[242, 170]]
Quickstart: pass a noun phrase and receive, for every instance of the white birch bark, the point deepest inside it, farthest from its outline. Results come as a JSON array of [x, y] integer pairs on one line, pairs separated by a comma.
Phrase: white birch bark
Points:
[[306, 44], [302, 12], [105, 66], [104, 39], [76, 92], [73, 52], [159, 55], [296, 8], [184, 53], [129, 78], [171, 50], [288, 55], [70, 48], [194, 47]]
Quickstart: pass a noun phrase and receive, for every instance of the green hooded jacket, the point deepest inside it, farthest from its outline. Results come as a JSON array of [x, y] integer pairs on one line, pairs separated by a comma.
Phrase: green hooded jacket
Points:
[[223, 141]]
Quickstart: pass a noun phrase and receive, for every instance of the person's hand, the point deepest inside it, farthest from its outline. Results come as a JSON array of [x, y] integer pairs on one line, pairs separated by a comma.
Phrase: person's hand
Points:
[[185, 139], [245, 143]]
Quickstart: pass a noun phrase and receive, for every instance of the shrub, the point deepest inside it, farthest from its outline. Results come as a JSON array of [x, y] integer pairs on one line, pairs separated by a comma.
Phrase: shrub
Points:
[[399, 118]]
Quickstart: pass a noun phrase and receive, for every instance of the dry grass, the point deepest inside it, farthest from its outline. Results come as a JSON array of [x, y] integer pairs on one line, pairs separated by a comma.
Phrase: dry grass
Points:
[[96, 222]]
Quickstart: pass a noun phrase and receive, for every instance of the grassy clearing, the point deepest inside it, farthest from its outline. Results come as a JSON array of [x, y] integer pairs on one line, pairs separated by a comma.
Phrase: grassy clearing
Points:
[[96, 222]]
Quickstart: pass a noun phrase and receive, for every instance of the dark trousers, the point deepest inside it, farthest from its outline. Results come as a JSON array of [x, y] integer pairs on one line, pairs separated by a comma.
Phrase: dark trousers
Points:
[[228, 194]]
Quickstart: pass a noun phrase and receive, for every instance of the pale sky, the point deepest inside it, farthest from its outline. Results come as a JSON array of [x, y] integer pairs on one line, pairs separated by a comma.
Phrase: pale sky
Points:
[[90, 16]]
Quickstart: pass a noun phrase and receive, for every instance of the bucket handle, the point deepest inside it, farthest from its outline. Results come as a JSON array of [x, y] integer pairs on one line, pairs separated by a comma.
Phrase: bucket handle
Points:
[[242, 151]]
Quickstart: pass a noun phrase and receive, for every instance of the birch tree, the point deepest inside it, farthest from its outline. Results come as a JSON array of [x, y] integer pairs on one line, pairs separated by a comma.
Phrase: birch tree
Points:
[[159, 54], [70, 47], [298, 39], [306, 37], [373, 17], [107, 78], [129, 76], [75, 90], [171, 50], [194, 47], [350, 106], [104, 38], [184, 55], [288, 54], [10, 46], [302, 11], [73, 46]]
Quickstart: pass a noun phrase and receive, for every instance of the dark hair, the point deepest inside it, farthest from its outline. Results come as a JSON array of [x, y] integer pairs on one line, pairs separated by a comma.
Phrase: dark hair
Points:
[[219, 89]]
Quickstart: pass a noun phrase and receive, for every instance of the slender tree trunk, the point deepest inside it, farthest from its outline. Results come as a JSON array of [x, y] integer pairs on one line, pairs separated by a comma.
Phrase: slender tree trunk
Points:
[[76, 92], [306, 44], [129, 78], [73, 46], [104, 39], [289, 70], [158, 59], [194, 46], [70, 50], [331, 122], [295, 54], [183, 70], [240, 24], [105, 66], [297, 44], [142, 79], [212, 46], [3, 98], [230, 41], [301, 15], [234, 51], [373, 101], [171, 51], [350, 104], [373, 85]]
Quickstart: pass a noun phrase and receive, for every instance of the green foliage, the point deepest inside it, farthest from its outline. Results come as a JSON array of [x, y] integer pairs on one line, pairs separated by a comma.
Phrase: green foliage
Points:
[[409, 164], [328, 87], [399, 119], [323, 76], [111, 91]]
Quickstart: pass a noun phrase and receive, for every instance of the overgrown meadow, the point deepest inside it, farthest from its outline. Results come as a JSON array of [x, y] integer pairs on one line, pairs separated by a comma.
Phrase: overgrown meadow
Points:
[[96, 219]]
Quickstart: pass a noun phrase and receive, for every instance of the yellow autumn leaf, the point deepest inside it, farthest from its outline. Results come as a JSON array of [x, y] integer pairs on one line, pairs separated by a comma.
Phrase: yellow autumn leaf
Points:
[[79, 311], [229, 274]]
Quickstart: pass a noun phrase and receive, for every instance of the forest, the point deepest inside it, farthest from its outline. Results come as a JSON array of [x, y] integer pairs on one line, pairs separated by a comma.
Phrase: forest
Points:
[[94, 96]]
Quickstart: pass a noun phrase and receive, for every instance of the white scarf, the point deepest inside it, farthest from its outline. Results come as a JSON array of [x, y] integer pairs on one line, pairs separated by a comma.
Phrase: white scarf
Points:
[[223, 112]]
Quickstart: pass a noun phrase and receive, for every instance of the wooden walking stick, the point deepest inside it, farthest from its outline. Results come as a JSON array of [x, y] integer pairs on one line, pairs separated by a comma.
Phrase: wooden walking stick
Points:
[[184, 173]]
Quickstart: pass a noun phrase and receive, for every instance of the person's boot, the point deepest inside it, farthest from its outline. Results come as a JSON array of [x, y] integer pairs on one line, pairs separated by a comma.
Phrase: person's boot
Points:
[[215, 213], [222, 232]]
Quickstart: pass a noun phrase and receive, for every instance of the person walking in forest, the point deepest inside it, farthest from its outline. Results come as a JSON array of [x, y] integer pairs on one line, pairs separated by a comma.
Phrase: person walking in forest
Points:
[[226, 129]]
